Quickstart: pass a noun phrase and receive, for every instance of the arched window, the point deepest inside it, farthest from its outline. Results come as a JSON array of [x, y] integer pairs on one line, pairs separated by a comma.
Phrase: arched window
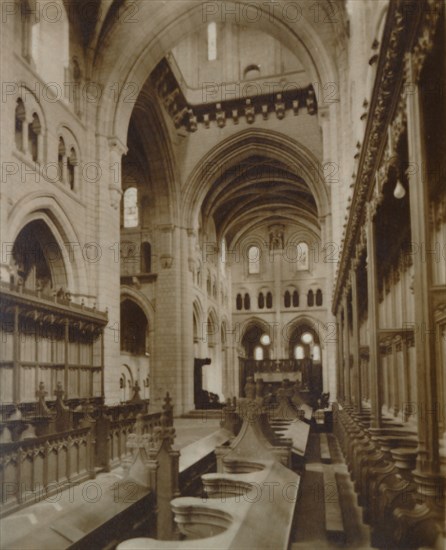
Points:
[[146, 258], [310, 298], [295, 298], [251, 71], [299, 352], [247, 301], [258, 353], [223, 252], [269, 300], [19, 119], [239, 302], [302, 259], [318, 297], [134, 325], [287, 299], [131, 217], [261, 300], [34, 129], [61, 159], [71, 168], [253, 260], [212, 41]]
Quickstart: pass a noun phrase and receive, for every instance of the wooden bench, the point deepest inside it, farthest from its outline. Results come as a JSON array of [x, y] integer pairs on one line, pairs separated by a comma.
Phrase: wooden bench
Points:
[[334, 523], [325, 449]]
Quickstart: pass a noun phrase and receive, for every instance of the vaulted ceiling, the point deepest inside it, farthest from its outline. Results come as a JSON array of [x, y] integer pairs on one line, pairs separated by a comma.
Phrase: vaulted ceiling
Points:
[[258, 191]]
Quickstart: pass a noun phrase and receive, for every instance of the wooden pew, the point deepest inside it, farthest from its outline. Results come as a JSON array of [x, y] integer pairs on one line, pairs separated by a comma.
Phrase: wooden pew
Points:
[[334, 523]]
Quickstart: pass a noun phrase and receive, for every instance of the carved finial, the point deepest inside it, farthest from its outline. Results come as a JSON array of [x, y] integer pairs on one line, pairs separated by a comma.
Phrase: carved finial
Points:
[[42, 409], [167, 414], [136, 389], [59, 392]]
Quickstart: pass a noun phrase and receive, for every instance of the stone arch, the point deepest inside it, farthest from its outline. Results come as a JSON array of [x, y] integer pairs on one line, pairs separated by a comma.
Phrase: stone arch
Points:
[[48, 209], [213, 327], [252, 330], [240, 146], [127, 292], [303, 320], [167, 27], [141, 340], [127, 378], [161, 166], [36, 260], [256, 321]]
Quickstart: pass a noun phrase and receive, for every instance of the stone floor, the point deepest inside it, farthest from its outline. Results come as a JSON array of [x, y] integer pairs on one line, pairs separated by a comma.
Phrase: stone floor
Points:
[[309, 532]]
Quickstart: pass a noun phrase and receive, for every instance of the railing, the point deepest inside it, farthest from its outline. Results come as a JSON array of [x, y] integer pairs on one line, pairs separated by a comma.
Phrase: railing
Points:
[[271, 365], [34, 468], [19, 294], [44, 450], [111, 437]]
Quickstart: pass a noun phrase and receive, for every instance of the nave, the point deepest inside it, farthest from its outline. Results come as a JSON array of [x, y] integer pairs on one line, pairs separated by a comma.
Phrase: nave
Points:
[[200, 196]]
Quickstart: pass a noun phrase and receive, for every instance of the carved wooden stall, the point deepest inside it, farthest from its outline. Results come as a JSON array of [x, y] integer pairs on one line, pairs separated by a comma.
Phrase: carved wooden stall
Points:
[[49, 339], [237, 495], [52, 347], [390, 291]]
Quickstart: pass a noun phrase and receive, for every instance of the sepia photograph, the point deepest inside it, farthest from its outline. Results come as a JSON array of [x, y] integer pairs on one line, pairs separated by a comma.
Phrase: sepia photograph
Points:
[[223, 275]]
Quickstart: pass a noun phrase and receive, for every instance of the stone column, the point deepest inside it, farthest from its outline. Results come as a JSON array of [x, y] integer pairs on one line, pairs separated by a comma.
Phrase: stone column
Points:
[[103, 255], [356, 342], [428, 454], [186, 364], [167, 366], [339, 333], [279, 344], [373, 320], [347, 382]]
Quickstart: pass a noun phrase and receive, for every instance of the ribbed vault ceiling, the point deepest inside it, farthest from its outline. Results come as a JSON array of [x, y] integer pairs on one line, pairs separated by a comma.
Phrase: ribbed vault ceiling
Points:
[[258, 191]]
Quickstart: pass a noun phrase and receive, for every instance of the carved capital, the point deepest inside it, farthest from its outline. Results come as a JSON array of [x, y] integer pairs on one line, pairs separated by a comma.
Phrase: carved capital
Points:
[[117, 146], [166, 261], [115, 195]]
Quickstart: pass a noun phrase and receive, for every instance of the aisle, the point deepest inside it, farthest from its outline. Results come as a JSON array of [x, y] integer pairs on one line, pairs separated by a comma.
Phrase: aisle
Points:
[[309, 531]]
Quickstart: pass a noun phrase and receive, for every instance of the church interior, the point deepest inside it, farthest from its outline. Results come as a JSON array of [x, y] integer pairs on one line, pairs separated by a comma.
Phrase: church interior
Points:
[[223, 274]]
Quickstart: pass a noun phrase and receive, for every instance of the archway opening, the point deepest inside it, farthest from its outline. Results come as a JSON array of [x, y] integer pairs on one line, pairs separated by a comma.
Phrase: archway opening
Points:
[[134, 342], [304, 347], [37, 261]]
